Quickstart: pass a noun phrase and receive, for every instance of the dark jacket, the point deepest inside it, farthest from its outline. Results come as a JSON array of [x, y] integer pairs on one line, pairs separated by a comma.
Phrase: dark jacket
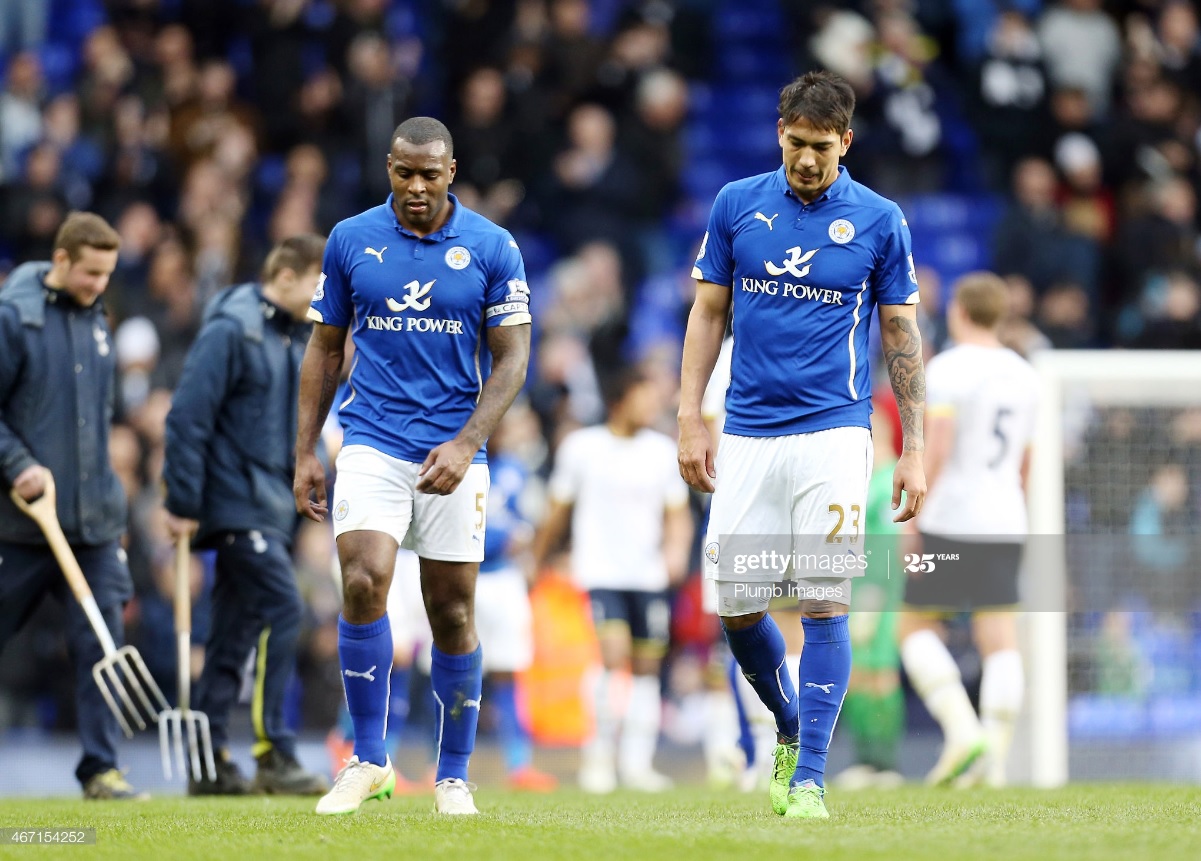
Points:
[[57, 368], [231, 431]]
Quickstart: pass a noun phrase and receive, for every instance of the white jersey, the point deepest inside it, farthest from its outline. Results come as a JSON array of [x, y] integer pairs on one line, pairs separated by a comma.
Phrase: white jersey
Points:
[[620, 488], [992, 393], [713, 401]]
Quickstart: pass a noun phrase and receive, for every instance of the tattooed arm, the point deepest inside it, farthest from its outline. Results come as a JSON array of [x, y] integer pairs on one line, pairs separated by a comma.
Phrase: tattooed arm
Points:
[[903, 353], [320, 373]]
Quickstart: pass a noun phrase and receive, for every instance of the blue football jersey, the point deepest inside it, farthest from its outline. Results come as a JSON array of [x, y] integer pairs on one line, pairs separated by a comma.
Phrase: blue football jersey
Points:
[[506, 482], [806, 280], [417, 308]]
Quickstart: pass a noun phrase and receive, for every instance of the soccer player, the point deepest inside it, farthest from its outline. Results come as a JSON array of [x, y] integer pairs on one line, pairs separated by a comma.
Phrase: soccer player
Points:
[[982, 399], [631, 534], [228, 472], [503, 615], [803, 255], [427, 284]]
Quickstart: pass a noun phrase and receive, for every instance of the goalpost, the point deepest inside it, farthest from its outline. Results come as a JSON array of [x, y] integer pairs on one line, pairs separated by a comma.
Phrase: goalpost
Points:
[[1108, 421]]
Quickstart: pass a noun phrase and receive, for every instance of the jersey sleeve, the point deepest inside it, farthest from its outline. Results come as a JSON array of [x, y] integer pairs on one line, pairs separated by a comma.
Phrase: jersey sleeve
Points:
[[894, 280], [564, 482], [715, 260], [507, 296], [332, 302]]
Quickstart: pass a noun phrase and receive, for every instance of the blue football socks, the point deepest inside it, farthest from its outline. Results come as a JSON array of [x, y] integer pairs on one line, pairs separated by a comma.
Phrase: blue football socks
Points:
[[514, 738], [825, 670], [366, 655], [458, 682], [760, 653]]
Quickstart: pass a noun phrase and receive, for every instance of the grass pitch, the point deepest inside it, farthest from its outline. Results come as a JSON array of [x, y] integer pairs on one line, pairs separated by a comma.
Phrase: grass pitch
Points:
[[1081, 823]]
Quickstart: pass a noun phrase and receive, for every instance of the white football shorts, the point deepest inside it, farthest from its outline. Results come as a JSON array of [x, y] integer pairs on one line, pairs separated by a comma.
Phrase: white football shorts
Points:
[[504, 621], [378, 492], [787, 518], [406, 607]]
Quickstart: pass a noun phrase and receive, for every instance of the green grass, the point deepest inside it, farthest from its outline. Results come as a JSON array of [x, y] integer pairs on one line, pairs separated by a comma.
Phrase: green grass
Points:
[[1129, 822]]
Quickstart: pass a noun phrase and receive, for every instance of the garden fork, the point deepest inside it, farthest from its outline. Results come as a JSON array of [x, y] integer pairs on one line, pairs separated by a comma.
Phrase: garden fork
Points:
[[174, 724], [120, 666]]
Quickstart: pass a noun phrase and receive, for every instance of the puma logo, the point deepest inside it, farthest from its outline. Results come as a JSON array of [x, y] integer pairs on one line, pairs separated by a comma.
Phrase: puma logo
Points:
[[369, 675], [761, 217], [379, 255], [825, 689]]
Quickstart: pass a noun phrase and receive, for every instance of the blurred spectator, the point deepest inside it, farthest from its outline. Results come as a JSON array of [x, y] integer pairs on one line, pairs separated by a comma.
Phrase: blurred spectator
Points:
[[594, 191], [906, 137], [1161, 528], [107, 70], [22, 25], [1119, 666], [490, 147], [1087, 206], [1170, 315], [1159, 235], [1010, 96], [652, 138], [572, 55], [1082, 47], [20, 110], [1028, 235], [1063, 316], [378, 99]]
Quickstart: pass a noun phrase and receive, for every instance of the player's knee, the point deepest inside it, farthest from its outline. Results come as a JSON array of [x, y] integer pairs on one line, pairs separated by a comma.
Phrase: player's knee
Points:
[[450, 616], [815, 609], [739, 623], [360, 590]]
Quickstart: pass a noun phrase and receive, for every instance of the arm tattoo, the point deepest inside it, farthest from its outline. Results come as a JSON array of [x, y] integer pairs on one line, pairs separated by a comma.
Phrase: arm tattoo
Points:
[[329, 387], [903, 352]]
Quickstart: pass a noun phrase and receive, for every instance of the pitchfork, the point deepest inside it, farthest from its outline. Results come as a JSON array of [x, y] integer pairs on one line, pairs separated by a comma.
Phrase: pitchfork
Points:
[[175, 723], [116, 664]]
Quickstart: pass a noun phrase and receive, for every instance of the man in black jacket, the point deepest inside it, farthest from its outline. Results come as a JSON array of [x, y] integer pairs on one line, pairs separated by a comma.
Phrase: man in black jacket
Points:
[[56, 402], [228, 471]]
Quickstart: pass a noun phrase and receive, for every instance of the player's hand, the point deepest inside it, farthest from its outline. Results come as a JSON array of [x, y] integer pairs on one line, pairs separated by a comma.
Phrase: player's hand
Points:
[[181, 527], [309, 483], [444, 468], [31, 482], [908, 476], [696, 456]]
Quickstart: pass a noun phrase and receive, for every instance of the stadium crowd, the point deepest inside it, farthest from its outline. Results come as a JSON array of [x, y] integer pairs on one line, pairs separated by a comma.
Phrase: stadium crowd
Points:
[[596, 131]]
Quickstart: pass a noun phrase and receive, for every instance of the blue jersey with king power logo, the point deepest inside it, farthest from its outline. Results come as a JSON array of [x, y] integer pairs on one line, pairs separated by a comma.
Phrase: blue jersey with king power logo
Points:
[[806, 279], [418, 308]]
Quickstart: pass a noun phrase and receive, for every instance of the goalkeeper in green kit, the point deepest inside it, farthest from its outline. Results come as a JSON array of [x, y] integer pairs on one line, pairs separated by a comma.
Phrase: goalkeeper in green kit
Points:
[[874, 710]]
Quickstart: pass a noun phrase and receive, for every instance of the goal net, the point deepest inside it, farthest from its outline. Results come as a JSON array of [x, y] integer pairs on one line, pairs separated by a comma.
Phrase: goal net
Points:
[[1112, 581]]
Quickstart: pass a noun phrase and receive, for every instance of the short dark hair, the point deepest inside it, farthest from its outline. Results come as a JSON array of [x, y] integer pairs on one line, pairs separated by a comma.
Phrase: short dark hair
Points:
[[424, 130], [299, 253], [86, 229], [618, 383], [825, 99]]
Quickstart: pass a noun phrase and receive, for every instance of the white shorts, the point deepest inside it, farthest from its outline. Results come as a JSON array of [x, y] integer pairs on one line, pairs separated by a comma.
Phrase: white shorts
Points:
[[787, 508], [378, 492], [504, 621], [406, 607]]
